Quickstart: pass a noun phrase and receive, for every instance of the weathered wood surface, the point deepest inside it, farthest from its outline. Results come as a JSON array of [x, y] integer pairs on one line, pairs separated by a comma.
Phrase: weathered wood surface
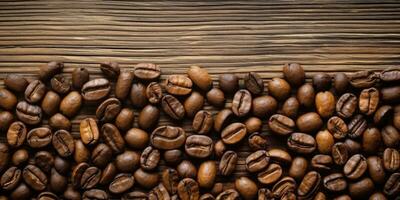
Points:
[[222, 36]]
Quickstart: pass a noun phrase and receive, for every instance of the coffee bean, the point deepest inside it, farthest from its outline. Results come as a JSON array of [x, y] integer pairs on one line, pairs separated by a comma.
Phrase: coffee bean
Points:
[[58, 183], [6, 118], [16, 134], [254, 83], [149, 158], [233, 133], [193, 103], [355, 167], [124, 84], [173, 107], [306, 95], [222, 119], [216, 97], [202, 122], [281, 124], [340, 153], [7, 99], [154, 93], [61, 165], [229, 83], [301, 143], [108, 110], [173, 156], [188, 189], [44, 160], [298, 168], [376, 169], [137, 138], [368, 101], [230, 194], [147, 71], [227, 163], [200, 77], [325, 103], [63, 143], [158, 193], [35, 91], [390, 136], [392, 185], [322, 163], [363, 79], [71, 104], [390, 94], [241, 103], [95, 194], [101, 155], [79, 77], [219, 148], [10, 178], [90, 177], [309, 185], [357, 126], [325, 141], [70, 193], [186, 169], [51, 103], [294, 74], [335, 182], [20, 157], [127, 161], [257, 161], [50, 69], [246, 187], [290, 107], [112, 137], [337, 127], [60, 84], [371, 140], [265, 194], [4, 155], [279, 88], [110, 69], [34, 177], [322, 81], [170, 179], [383, 114], [108, 174], [96, 89], [354, 146], [121, 183], [253, 124], [16, 82], [199, 146], [89, 131], [59, 121], [124, 119], [178, 85], [148, 117], [270, 175], [340, 82], [391, 159], [309, 122], [361, 189], [390, 75], [279, 155], [47, 196], [207, 174], [284, 188], [146, 179], [21, 192], [81, 152], [168, 137], [346, 105]]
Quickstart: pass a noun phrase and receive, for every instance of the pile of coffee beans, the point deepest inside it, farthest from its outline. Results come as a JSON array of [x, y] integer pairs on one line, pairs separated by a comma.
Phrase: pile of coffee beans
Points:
[[335, 136]]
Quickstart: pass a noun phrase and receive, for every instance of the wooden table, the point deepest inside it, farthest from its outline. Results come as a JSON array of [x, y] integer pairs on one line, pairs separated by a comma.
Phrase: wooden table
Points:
[[225, 36]]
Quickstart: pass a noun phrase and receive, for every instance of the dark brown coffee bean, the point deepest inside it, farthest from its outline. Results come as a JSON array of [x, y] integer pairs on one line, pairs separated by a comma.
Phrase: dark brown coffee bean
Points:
[[281, 124], [149, 158], [138, 95], [202, 122], [322, 163], [279, 88], [127, 161], [230, 194], [322, 81], [158, 193], [257, 141], [108, 174], [376, 169], [325, 103], [270, 175], [335, 182], [306, 95], [89, 131], [357, 126], [354, 147], [229, 83], [79, 77], [200, 77], [61, 165], [125, 118], [63, 143], [207, 196], [101, 155], [186, 169], [60, 84], [21, 192], [51, 103], [207, 174], [290, 107], [390, 94], [6, 118], [50, 69], [341, 82], [121, 183], [44, 160], [147, 71], [233, 133], [246, 187], [35, 91], [173, 156], [298, 168], [301, 143], [279, 155], [257, 161], [383, 114], [309, 122], [216, 97], [390, 136], [47, 196], [337, 127], [172, 107], [361, 189], [170, 180], [4, 156], [112, 137], [154, 93], [108, 110], [95, 194], [392, 185], [168, 137], [124, 84], [148, 117], [364, 79], [391, 159], [81, 152], [241, 103], [10, 178], [58, 183], [188, 189], [34, 177], [193, 103], [59, 121], [222, 119], [265, 194], [96, 89], [146, 179], [391, 74], [90, 177], [77, 173], [16, 134], [254, 83], [310, 184], [294, 74], [284, 188], [368, 101], [110, 69], [71, 104], [346, 105], [228, 163], [371, 140], [7, 99], [16, 82], [199, 146], [340, 153], [178, 85], [136, 138], [355, 167]]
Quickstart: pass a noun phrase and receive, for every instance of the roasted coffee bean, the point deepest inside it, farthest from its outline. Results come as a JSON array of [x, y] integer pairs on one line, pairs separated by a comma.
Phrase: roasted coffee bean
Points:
[[216, 97], [219, 148], [101, 155], [246, 187], [361, 189], [149, 158], [90, 177], [193, 103], [20, 157], [206, 196], [391, 74], [60, 84], [325, 141], [168, 137], [81, 152], [390, 136], [6, 118], [170, 180], [50, 69], [77, 173], [136, 138], [377, 196], [188, 189], [199, 146], [108, 174], [368, 101], [270, 175], [241, 103], [172, 107], [79, 77], [284, 188], [71, 104], [340, 82], [59, 121], [34, 177], [112, 137], [263, 106], [281, 124], [222, 119], [322, 162], [340, 153], [290, 107], [125, 118], [146, 179], [335, 182], [254, 83], [121, 183], [110, 69], [280, 156], [10, 178], [233, 133], [309, 186], [371, 140], [322, 81], [354, 146], [229, 83], [357, 126], [364, 79], [154, 92], [47, 196], [4, 155], [279, 88], [325, 103], [227, 163], [51, 103], [16, 134], [148, 117], [376, 169], [21, 192], [257, 161], [383, 114], [16, 82], [58, 183], [298, 168], [178, 85], [207, 174], [89, 131], [265, 194], [346, 105], [301, 143], [306, 95], [95, 194], [203, 122], [355, 167], [294, 74], [173, 156], [337, 127], [96, 89], [7, 99], [309, 122], [186, 169], [63, 143], [391, 159], [200, 77], [44, 160], [147, 71], [127, 161], [158, 193], [35, 91], [253, 125], [230, 194], [124, 84], [108, 110], [61, 165], [392, 185], [390, 94]]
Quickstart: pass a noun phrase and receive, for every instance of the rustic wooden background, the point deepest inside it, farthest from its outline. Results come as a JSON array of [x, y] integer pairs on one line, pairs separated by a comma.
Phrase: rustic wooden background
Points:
[[225, 36]]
